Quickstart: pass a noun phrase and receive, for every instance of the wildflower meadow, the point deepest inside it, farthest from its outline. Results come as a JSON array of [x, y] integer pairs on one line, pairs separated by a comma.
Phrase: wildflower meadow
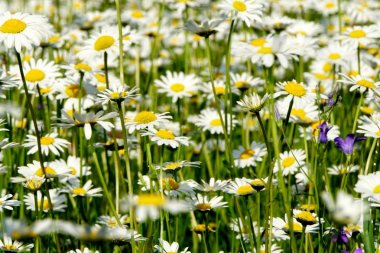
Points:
[[178, 126]]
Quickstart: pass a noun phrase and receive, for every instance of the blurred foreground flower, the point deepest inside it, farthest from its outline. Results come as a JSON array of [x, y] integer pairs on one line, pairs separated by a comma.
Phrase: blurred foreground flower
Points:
[[205, 28]]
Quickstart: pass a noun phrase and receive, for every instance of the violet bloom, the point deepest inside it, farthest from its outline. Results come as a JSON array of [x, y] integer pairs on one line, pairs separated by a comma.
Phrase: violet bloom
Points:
[[340, 237], [347, 145], [323, 130]]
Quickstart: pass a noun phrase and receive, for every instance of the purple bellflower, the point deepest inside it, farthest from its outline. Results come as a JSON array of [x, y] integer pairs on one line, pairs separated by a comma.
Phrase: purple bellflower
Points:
[[323, 130], [347, 145]]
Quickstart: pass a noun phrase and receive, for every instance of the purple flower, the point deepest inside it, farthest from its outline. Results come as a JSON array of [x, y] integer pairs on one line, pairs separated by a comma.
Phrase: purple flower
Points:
[[340, 237], [323, 130], [347, 145]]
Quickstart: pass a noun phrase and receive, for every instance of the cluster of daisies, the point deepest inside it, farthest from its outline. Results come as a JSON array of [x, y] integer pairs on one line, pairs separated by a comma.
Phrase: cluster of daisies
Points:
[[190, 126]]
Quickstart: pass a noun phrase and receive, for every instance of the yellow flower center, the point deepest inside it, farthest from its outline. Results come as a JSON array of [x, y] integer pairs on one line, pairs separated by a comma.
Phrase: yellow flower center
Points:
[[165, 134], [334, 56], [101, 78], [170, 183], [112, 223], [378, 133], [54, 39], [259, 42], [305, 216], [265, 50], [49, 172], [177, 87], [104, 42], [12, 26], [297, 227], [72, 90], [45, 90], [200, 228], [239, 6], [320, 76], [245, 189], [300, 113], [116, 95], [150, 199], [33, 184], [44, 205], [35, 75], [47, 140], [376, 189], [215, 122], [219, 90], [258, 182], [137, 14], [357, 34], [173, 166], [82, 67], [10, 247], [308, 207], [79, 191], [203, 207], [288, 161], [329, 5], [145, 117], [241, 84], [73, 170], [366, 83], [295, 89], [248, 153], [367, 110]]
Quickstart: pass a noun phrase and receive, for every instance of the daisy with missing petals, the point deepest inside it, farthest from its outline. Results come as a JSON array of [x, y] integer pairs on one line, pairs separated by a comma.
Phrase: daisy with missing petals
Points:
[[290, 161], [248, 157], [209, 120], [29, 179], [177, 85], [117, 94], [245, 81], [252, 103], [249, 11], [6, 202], [362, 83], [147, 119], [49, 143], [23, 30], [87, 190], [7, 245], [293, 89], [370, 126], [240, 187], [169, 248], [104, 41], [166, 137], [203, 204], [58, 201]]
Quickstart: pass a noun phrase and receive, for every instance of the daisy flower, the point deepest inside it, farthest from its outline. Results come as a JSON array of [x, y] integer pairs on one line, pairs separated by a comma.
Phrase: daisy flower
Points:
[[368, 185], [344, 208], [302, 111], [74, 164], [148, 206], [111, 222], [338, 53], [202, 203], [171, 167], [167, 247], [211, 186], [240, 187], [305, 217], [290, 161], [249, 157], [6, 202], [23, 30], [209, 120], [87, 120], [248, 11], [41, 72], [173, 188], [85, 250], [281, 224], [360, 35], [86, 190], [205, 28], [245, 81], [147, 119], [104, 41], [304, 28], [166, 137], [294, 90], [117, 94], [361, 83], [29, 179], [177, 85], [49, 143], [58, 201], [370, 126], [343, 169], [220, 88], [252, 102], [7, 245]]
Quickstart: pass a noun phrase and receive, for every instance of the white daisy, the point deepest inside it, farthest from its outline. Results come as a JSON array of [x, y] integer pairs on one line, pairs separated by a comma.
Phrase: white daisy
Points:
[[239, 187], [169, 248], [211, 186], [343, 169], [147, 119], [202, 203], [249, 11], [370, 126], [49, 143], [362, 83], [290, 161], [6, 202], [7, 245], [209, 120], [58, 201], [166, 137], [250, 156], [86, 190], [41, 72], [23, 30]]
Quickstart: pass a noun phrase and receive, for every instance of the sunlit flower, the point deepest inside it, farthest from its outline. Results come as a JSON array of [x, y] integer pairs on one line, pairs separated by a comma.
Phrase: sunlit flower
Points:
[[87, 190], [240, 187], [49, 143], [209, 120], [7, 245], [58, 201], [147, 119], [248, 11], [212, 186], [167, 247], [202, 203], [250, 156], [290, 161], [370, 126], [6, 202], [252, 103], [361, 83], [22, 30], [117, 93]]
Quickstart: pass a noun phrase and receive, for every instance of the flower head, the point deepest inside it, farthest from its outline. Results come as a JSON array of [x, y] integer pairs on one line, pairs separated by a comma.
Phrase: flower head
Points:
[[347, 145]]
